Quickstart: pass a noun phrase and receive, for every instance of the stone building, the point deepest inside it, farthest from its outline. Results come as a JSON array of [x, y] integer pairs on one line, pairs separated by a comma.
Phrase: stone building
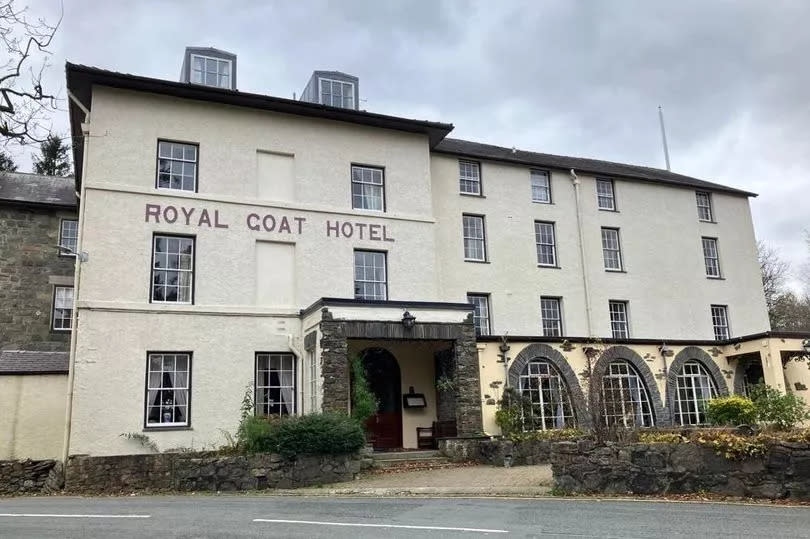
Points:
[[241, 242], [37, 213]]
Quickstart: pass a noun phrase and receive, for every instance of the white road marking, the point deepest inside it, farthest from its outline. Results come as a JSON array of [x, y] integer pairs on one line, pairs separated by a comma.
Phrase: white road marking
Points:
[[362, 525], [52, 515]]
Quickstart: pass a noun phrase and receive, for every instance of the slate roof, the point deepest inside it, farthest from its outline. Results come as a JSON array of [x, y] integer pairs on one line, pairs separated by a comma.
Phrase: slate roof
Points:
[[81, 78], [37, 189], [476, 150], [33, 362]]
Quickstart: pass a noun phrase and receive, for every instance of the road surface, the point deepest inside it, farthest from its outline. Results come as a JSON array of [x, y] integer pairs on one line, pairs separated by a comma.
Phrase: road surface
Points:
[[356, 518]]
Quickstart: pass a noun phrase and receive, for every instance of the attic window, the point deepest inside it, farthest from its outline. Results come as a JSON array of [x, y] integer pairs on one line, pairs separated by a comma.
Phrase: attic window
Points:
[[337, 93], [211, 71]]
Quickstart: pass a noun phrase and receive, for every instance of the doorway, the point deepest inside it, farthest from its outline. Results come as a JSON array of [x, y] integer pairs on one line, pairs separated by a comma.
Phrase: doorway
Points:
[[384, 379]]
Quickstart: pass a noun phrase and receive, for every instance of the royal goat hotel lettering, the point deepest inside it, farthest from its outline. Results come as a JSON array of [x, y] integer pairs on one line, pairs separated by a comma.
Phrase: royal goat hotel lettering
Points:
[[268, 222]]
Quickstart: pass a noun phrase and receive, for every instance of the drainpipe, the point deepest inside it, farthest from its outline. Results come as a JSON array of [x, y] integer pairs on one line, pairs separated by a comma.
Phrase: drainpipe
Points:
[[77, 272], [585, 280], [295, 350]]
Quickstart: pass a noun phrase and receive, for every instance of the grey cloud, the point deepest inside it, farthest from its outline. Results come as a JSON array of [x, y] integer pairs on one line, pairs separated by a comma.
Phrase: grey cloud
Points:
[[575, 77]]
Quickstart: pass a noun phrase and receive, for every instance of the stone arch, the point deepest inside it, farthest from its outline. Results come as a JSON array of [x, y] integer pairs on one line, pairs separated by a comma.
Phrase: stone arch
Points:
[[546, 352], [661, 416], [693, 353]]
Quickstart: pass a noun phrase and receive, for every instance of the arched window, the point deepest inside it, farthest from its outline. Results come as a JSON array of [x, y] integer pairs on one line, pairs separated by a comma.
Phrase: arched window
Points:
[[625, 399], [548, 402], [694, 386]]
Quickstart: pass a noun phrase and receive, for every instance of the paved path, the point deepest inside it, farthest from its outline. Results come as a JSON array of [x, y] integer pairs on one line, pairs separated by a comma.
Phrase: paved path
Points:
[[360, 518], [470, 480]]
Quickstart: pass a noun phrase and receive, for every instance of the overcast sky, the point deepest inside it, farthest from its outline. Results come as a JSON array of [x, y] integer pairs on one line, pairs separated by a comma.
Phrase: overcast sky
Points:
[[580, 78]]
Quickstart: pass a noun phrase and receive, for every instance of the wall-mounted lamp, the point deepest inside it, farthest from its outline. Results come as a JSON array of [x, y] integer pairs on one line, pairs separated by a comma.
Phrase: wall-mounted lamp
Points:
[[806, 346], [664, 349], [408, 320]]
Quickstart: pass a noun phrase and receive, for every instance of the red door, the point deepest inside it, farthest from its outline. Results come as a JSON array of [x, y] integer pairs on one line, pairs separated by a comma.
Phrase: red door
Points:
[[382, 372]]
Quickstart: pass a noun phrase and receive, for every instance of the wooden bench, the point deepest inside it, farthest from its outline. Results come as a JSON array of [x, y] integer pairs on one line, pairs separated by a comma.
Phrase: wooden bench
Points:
[[427, 437]]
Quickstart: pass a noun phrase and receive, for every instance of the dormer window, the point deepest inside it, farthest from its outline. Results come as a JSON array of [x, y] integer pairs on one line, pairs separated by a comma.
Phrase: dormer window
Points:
[[337, 93], [211, 71]]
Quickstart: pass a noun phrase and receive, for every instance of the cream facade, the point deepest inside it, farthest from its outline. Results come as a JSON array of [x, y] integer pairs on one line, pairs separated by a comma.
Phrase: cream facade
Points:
[[33, 418], [274, 275], [779, 358]]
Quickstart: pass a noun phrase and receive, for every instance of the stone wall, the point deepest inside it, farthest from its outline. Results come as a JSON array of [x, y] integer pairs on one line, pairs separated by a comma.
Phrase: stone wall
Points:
[[582, 467], [206, 472], [489, 451], [18, 477], [28, 261]]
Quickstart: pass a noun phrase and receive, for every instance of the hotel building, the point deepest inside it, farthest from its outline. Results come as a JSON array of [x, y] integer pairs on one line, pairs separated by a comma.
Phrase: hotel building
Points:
[[240, 242]]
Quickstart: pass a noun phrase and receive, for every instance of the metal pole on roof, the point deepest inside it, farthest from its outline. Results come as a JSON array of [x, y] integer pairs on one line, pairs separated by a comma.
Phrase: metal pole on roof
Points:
[[663, 135]]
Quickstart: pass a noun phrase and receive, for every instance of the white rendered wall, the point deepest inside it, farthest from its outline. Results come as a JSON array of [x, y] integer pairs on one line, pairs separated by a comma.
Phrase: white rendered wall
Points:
[[664, 280]]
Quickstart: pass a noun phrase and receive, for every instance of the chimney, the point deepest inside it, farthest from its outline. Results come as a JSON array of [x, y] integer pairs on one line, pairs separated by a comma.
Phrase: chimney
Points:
[[332, 88], [209, 67]]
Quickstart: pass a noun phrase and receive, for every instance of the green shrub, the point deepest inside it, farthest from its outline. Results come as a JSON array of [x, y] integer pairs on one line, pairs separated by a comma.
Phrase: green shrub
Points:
[[318, 434], [782, 411], [313, 434], [732, 410], [512, 409], [364, 403], [255, 434]]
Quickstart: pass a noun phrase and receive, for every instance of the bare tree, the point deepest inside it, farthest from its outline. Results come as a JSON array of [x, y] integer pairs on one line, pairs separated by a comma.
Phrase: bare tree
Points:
[[25, 106], [774, 273], [791, 312]]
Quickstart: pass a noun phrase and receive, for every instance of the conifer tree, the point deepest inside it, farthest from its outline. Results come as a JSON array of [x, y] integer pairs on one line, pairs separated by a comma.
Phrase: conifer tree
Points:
[[54, 159]]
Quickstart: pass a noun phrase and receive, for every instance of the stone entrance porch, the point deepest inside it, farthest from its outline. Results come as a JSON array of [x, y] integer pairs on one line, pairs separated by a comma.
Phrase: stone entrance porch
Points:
[[439, 342]]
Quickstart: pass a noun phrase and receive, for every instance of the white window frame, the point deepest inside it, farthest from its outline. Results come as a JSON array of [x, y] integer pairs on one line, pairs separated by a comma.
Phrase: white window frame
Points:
[[481, 312], [542, 385], [552, 325], [720, 324], [711, 257], [205, 71], [628, 382], [165, 404], [540, 181], [609, 198], [619, 319], [62, 308], [181, 168], [370, 279], [542, 244], [313, 380], [694, 386], [705, 208], [472, 242], [331, 82], [364, 178], [287, 367], [69, 238], [472, 179], [170, 269], [607, 249]]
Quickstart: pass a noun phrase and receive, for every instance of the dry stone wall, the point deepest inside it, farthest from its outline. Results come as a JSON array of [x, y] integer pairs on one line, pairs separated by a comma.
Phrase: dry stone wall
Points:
[[495, 451], [184, 472], [187, 472], [582, 467], [20, 477]]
